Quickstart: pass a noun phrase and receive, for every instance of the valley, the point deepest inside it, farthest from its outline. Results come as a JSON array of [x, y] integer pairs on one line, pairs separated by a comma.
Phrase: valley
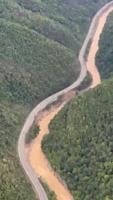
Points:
[[39, 46], [36, 156]]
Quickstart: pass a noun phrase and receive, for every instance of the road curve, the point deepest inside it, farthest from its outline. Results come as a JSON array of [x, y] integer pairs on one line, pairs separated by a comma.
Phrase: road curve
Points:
[[41, 194]]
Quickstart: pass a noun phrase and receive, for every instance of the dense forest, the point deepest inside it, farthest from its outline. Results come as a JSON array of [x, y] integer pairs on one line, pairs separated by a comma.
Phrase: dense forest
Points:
[[46, 41], [39, 44], [80, 144], [104, 59]]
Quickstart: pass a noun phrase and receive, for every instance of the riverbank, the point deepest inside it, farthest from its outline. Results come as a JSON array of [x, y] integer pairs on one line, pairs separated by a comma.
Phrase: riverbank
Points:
[[36, 157]]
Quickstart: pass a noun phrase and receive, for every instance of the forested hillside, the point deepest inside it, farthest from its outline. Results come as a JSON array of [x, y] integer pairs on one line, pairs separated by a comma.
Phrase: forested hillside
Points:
[[40, 41], [104, 58], [39, 44], [80, 144]]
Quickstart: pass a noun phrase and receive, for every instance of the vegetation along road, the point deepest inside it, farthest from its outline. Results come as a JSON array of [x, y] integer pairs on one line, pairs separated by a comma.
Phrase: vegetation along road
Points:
[[93, 35]]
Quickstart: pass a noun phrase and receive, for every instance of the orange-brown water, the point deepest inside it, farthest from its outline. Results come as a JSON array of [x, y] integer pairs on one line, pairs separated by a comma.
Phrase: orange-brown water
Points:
[[91, 66], [36, 156], [41, 165]]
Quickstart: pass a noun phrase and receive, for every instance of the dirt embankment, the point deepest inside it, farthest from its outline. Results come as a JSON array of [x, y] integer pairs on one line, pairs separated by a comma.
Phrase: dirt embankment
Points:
[[91, 65], [36, 157]]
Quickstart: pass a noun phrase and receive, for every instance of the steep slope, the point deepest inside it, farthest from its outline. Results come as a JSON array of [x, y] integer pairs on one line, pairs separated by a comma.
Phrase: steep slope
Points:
[[37, 158], [104, 58], [80, 142], [33, 64], [30, 43], [12, 181]]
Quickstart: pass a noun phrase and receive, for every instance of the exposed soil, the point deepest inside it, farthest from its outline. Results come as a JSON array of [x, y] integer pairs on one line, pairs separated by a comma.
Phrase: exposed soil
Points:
[[36, 157], [91, 66], [39, 162]]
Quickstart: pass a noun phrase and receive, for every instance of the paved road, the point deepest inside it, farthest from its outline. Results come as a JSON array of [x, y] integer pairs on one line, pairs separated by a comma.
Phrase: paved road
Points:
[[41, 194]]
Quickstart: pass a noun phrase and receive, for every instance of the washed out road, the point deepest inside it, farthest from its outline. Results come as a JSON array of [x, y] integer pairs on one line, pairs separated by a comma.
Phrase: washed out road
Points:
[[31, 171]]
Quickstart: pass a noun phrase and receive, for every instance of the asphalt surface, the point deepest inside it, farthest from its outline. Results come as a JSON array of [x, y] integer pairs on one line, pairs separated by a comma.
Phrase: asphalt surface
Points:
[[38, 188]]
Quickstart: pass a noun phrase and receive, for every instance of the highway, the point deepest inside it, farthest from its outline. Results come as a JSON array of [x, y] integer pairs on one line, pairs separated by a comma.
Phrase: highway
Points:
[[40, 192]]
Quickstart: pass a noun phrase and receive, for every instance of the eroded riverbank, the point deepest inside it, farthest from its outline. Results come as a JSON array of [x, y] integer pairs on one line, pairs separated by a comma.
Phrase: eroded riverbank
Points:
[[91, 66], [36, 157]]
